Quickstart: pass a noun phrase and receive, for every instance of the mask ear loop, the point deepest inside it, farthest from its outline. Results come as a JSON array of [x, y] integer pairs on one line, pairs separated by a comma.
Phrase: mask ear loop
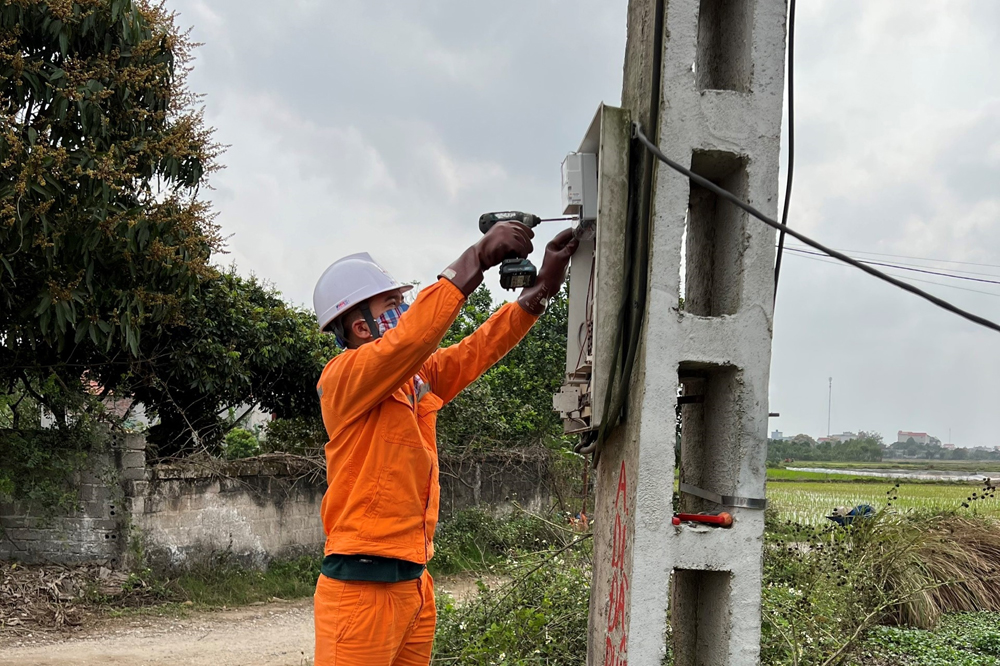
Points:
[[337, 328]]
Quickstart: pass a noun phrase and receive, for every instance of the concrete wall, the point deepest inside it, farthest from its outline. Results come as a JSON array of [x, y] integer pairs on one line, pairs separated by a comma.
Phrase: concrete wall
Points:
[[496, 481], [254, 510]]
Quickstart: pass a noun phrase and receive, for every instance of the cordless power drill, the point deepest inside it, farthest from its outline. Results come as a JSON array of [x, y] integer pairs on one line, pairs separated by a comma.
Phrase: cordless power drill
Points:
[[515, 272]]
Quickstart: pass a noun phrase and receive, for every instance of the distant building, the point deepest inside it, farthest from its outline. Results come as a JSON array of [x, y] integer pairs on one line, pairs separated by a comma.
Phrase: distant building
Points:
[[132, 415], [950, 447], [780, 436], [919, 437], [838, 439], [129, 413]]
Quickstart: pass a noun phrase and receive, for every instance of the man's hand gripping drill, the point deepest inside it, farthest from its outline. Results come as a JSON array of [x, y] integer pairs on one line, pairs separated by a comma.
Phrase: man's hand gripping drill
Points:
[[508, 240]]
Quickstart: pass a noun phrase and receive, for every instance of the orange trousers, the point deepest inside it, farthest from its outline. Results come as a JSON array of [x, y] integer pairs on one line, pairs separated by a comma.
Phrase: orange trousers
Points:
[[359, 623]]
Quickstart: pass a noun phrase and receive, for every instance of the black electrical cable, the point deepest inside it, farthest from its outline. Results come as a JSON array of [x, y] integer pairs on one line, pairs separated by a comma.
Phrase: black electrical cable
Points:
[[823, 259], [729, 196], [907, 256], [906, 268], [790, 167], [636, 256], [633, 298]]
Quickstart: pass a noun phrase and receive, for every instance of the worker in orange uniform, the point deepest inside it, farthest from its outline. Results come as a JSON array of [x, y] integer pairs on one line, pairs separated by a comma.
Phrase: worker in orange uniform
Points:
[[374, 603]]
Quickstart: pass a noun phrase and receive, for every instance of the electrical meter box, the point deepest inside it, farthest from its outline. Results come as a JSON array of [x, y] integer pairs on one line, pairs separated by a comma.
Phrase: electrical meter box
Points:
[[595, 189], [579, 185]]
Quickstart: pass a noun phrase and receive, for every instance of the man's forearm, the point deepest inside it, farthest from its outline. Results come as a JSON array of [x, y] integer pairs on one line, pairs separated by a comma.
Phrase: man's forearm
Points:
[[453, 368]]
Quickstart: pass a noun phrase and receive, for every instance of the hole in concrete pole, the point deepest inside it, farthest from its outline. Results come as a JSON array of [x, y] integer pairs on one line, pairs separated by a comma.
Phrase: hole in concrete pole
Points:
[[724, 57], [699, 617], [709, 454], [714, 237]]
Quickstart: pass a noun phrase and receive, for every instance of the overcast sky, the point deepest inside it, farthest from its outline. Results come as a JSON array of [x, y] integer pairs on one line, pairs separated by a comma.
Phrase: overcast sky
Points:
[[389, 127]]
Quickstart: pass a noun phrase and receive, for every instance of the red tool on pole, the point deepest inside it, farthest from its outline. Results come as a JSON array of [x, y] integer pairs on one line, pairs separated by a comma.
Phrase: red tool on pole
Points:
[[721, 519]]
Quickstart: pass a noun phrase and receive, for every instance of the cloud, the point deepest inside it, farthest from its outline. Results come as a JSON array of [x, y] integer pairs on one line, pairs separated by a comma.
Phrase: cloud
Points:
[[898, 113], [389, 127]]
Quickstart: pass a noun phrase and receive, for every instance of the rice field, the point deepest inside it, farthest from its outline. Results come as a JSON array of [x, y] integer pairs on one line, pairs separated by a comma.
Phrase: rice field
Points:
[[809, 503]]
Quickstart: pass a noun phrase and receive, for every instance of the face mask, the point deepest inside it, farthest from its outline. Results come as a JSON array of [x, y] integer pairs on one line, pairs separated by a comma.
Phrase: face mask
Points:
[[390, 318], [384, 321]]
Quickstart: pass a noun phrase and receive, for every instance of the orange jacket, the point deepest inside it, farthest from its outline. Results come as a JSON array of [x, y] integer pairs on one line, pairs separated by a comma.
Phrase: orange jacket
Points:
[[381, 460]]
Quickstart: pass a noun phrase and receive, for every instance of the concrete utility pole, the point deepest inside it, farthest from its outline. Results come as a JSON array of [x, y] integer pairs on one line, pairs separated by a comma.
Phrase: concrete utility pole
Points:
[[705, 79]]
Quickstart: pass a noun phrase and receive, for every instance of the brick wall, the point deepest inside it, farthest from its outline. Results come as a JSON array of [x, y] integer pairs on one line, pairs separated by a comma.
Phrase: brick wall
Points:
[[97, 530]]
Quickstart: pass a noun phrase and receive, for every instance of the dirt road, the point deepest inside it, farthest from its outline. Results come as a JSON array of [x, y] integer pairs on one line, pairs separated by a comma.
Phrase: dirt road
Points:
[[275, 634]]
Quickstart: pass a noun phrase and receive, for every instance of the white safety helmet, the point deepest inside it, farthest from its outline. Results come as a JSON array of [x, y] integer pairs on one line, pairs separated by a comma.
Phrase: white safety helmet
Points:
[[347, 282]]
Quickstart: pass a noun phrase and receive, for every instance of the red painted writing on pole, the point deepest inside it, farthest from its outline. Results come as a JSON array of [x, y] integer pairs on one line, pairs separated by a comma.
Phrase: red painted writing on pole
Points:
[[616, 640]]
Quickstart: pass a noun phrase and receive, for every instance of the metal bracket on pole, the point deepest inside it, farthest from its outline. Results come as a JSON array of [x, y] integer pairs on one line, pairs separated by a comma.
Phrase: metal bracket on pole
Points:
[[725, 500]]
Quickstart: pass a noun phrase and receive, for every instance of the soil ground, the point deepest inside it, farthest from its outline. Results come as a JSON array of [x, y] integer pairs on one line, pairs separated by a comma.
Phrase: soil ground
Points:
[[272, 634], [276, 634]]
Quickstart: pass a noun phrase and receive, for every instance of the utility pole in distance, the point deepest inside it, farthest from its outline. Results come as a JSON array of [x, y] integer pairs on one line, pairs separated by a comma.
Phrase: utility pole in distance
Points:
[[829, 407], [705, 80]]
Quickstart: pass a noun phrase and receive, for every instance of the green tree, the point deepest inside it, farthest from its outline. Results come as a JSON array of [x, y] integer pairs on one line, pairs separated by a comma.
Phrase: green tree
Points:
[[511, 404], [864, 448], [105, 247], [101, 159], [241, 443], [240, 346]]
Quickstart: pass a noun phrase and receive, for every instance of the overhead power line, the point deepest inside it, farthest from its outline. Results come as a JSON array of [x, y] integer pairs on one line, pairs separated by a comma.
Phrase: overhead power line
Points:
[[732, 198], [906, 268], [823, 259], [906, 256], [932, 266], [790, 167]]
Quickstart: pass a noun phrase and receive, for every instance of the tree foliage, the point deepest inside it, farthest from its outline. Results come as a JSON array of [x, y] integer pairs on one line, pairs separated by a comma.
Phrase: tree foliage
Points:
[[101, 158], [106, 281], [913, 449], [511, 404], [865, 448], [240, 346]]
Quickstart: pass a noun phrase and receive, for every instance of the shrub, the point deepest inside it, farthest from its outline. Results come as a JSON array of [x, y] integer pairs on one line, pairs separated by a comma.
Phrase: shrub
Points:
[[825, 587], [304, 436], [225, 582], [474, 539], [241, 443], [538, 619]]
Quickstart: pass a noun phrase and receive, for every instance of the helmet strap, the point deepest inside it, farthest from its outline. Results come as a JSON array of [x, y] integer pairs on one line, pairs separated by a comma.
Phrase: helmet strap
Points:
[[372, 326], [339, 333]]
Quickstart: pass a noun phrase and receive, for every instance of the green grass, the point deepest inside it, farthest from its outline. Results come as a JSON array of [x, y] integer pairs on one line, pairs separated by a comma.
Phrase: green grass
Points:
[[227, 584], [810, 502], [780, 474], [913, 465], [963, 639]]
